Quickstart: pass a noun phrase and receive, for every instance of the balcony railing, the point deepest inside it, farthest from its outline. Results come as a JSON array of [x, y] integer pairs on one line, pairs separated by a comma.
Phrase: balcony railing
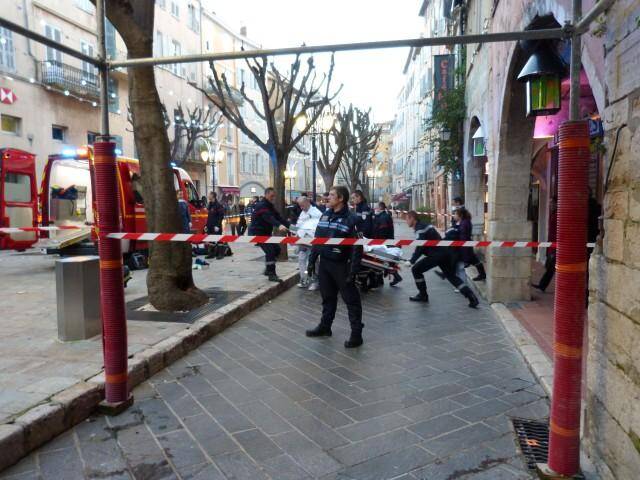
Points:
[[65, 77]]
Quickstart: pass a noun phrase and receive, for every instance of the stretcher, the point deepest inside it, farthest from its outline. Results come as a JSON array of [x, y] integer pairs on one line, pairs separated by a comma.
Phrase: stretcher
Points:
[[377, 262]]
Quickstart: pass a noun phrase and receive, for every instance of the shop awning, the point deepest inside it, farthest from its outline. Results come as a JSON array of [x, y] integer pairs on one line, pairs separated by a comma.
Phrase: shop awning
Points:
[[229, 189], [400, 197]]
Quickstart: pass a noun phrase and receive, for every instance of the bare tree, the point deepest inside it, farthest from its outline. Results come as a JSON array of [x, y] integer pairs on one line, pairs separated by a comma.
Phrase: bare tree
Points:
[[334, 145], [199, 123], [283, 98], [169, 281], [364, 138]]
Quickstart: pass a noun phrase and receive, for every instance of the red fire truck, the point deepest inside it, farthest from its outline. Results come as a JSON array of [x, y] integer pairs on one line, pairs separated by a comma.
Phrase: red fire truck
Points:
[[18, 197], [67, 199]]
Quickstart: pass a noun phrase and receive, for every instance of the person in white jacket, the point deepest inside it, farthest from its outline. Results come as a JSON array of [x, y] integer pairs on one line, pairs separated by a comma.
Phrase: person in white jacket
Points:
[[306, 227]]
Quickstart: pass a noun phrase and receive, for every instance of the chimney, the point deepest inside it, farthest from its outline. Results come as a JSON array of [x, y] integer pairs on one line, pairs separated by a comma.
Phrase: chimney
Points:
[[243, 31]]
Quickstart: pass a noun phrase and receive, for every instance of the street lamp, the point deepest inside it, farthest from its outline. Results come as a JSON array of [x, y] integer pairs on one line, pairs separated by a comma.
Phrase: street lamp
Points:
[[373, 173], [326, 121], [290, 174], [542, 74], [213, 159], [479, 147]]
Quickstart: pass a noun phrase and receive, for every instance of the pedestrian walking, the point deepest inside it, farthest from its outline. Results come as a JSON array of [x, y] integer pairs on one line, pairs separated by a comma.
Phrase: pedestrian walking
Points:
[[550, 261], [457, 203], [467, 254], [383, 228], [242, 222], [338, 267], [215, 217], [264, 219], [426, 258], [183, 210], [363, 214], [306, 227]]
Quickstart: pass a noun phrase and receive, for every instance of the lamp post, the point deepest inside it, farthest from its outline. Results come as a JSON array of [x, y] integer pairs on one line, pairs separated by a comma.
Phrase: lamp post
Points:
[[213, 159], [290, 174], [327, 120]]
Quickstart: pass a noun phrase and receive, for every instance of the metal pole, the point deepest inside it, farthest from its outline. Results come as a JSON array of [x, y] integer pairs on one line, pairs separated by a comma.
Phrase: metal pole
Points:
[[549, 33], [102, 67], [575, 66], [314, 160], [583, 24]]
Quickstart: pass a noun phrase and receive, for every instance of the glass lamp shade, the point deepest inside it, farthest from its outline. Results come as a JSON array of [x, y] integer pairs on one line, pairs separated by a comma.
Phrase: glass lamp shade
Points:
[[543, 95], [479, 149]]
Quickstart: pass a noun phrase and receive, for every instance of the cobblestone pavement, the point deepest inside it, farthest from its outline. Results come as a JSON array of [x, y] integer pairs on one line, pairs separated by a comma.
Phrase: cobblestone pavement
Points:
[[428, 396], [34, 365]]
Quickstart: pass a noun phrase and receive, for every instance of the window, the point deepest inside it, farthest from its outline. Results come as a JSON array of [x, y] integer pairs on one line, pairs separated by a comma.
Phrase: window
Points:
[[17, 187], [177, 50], [175, 9], [89, 72], [55, 34], [85, 5], [256, 164], [161, 3], [231, 169], [192, 193], [158, 45], [58, 133], [7, 53], [192, 13], [243, 163], [10, 124], [91, 137], [114, 100], [110, 40], [118, 140], [229, 132]]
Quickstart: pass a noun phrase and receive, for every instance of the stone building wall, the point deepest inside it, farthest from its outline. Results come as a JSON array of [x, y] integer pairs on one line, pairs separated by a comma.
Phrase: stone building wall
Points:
[[612, 411]]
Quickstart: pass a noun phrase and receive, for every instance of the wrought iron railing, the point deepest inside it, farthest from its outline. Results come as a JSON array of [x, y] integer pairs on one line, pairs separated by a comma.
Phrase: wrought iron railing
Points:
[[65, 77]]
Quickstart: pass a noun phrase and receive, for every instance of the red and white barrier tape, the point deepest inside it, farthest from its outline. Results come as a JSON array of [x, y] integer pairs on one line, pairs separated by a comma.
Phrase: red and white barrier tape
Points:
[[257, 239], [432, 214], [36, 229]]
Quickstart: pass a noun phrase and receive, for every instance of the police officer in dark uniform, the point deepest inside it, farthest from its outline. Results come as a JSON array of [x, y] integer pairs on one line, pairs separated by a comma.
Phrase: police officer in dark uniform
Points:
[[434, 257], [363, 214], [338, 267], [264, 218]]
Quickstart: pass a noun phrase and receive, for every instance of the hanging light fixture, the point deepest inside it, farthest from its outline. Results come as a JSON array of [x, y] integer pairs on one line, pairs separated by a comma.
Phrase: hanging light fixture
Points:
[[542, 74], [479, 146]]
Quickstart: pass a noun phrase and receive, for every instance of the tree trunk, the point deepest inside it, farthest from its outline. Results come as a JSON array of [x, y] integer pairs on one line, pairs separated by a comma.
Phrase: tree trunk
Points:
[[280, 186], [169, 280], [328, 178]]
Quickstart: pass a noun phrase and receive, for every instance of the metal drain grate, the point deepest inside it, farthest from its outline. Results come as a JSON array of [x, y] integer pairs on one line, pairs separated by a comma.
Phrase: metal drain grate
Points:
[[533, 438]]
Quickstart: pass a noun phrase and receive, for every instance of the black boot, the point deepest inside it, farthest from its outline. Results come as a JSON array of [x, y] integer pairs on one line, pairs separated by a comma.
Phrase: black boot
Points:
[[420, 297], [274, 278], [468, 293], [355, 340], [482, 275], [320, 331], [396, 279]]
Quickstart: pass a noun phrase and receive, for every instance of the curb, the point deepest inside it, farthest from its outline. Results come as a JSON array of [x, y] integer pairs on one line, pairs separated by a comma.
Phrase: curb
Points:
[[41, 423], [537, 360]]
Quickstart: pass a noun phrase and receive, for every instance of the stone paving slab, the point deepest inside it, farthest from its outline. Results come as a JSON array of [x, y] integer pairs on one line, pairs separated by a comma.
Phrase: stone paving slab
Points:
[[422, 399]]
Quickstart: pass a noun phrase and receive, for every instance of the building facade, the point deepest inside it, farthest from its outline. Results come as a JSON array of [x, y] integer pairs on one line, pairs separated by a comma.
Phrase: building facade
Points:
[[512, 186], [65, 91]]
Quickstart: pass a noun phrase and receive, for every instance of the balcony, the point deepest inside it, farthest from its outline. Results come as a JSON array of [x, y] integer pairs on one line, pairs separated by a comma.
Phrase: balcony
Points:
[[65, 77]]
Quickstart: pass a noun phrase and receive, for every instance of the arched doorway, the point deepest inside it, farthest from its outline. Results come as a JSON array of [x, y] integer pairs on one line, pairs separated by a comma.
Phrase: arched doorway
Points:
[[523, 181]]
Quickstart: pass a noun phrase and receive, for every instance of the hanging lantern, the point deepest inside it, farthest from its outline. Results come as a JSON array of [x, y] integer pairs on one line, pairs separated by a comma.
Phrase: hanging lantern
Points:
[[479, 147], [542, 74]]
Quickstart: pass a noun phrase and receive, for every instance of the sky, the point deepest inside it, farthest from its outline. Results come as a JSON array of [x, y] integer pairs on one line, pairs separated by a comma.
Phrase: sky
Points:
[[370, 78]]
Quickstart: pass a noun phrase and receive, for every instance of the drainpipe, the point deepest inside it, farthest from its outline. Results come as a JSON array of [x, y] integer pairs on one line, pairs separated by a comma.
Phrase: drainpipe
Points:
[[114, 322], [571, 268]]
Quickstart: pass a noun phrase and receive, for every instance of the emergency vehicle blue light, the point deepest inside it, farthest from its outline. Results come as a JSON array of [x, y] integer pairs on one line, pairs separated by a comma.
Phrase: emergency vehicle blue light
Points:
[[118, 151], [173, 164], [69, 152]]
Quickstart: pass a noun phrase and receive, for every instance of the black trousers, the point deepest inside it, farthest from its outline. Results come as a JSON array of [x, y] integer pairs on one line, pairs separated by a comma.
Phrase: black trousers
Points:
[[549, 270], [242, 227], [442, 259], [333, 278], [271, 252]]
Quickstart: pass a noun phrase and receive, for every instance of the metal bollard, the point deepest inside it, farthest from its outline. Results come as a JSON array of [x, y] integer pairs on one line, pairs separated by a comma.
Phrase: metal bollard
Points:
[[78, 298]]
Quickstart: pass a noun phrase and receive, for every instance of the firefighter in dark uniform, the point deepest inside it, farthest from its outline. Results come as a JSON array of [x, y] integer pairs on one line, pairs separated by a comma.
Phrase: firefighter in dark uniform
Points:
[[338, 267], [264, 218], [383, 228], [434, 257]]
